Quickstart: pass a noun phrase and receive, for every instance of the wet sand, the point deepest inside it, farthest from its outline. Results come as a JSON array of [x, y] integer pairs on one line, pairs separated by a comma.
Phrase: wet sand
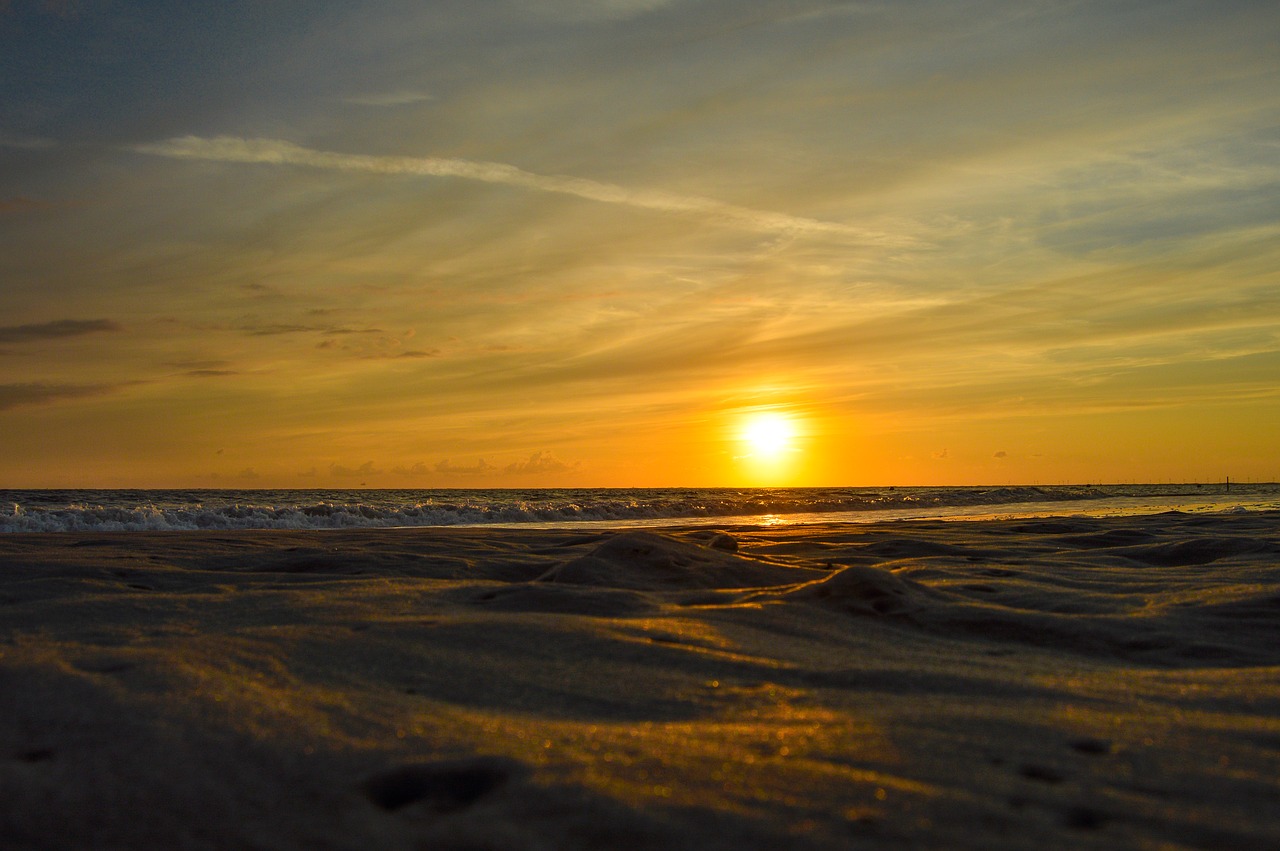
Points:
[[1042, 683]]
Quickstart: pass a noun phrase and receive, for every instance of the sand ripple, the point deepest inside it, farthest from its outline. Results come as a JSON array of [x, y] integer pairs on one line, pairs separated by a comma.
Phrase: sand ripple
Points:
[[1056, 682]]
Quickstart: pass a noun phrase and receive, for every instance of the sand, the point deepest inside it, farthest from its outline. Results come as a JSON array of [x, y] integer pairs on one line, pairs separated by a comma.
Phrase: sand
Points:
[[1045, 683]]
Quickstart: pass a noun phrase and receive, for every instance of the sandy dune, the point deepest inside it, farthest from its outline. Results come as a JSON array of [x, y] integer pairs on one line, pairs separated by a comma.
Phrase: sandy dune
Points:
[[1047, 683]]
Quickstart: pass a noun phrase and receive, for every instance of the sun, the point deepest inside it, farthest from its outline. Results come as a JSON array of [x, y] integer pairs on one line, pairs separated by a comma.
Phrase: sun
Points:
[[769, 435]]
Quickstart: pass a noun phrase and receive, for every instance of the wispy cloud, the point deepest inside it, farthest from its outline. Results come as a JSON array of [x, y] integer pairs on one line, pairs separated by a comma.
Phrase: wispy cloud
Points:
[[540, 463], [55, 330], [279, 152], [365, 469], [388, 99], [411, 354], [22, 205], [211, 373], [584, 11], [67, 9], [200, 366], [278, 328], [18, 395], [26, 143], [481, 468]]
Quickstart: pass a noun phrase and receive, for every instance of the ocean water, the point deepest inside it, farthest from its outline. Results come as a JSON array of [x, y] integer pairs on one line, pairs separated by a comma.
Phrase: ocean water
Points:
[[162, 510]]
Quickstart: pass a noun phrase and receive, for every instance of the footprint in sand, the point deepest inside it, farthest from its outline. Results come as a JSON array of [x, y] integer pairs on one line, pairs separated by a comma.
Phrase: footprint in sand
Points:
[[1092, 746], [445, 786]]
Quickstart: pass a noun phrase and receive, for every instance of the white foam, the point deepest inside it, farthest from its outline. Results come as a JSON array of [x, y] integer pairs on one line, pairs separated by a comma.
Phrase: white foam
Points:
[[112, 511]]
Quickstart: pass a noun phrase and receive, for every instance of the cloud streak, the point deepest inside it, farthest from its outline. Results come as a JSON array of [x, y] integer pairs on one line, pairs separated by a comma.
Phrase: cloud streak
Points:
[[55, 330], [279, 152], [22, 205], [388, 99], [540, 463], [26, 143], [19, 395], [364, 470], [481, 468]]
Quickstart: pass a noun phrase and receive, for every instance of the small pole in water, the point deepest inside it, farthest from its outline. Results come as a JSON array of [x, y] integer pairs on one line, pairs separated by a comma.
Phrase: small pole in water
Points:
[[1228, 484]]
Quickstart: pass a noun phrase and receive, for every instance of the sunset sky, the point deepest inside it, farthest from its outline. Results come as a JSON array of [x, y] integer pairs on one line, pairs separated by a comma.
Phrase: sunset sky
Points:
[[638, 242]]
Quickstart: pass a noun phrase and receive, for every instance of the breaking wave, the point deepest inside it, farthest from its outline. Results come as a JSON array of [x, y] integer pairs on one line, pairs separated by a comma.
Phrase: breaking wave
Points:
[[152, 510]]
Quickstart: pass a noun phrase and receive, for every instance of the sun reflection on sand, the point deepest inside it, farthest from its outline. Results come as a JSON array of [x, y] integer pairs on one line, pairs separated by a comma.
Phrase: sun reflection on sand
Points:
[[730, 760]]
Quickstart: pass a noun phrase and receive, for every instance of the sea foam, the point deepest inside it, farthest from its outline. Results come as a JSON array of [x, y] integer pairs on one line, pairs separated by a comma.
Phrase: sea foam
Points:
[[174, 510]]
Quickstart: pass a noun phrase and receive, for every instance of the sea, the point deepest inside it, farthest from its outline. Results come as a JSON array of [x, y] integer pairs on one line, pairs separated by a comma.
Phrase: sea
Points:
[[179, 510]]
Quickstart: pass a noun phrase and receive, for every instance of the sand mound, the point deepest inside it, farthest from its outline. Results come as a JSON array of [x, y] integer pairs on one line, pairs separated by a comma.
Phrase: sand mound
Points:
[[906, 548], [1198, 551], [1107, 539], [647, 561], [563, 598], [863, 590], [1107, 683]]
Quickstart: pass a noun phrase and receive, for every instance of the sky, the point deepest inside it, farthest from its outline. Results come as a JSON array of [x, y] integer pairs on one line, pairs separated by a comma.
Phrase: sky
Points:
[[631, 243]]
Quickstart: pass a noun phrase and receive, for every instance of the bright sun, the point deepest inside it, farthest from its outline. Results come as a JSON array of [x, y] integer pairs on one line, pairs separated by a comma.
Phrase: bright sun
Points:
[[768, 435]]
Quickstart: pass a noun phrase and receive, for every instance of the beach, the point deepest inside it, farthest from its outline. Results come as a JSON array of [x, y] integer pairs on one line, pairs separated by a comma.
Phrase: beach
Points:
[[1051, 682]]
